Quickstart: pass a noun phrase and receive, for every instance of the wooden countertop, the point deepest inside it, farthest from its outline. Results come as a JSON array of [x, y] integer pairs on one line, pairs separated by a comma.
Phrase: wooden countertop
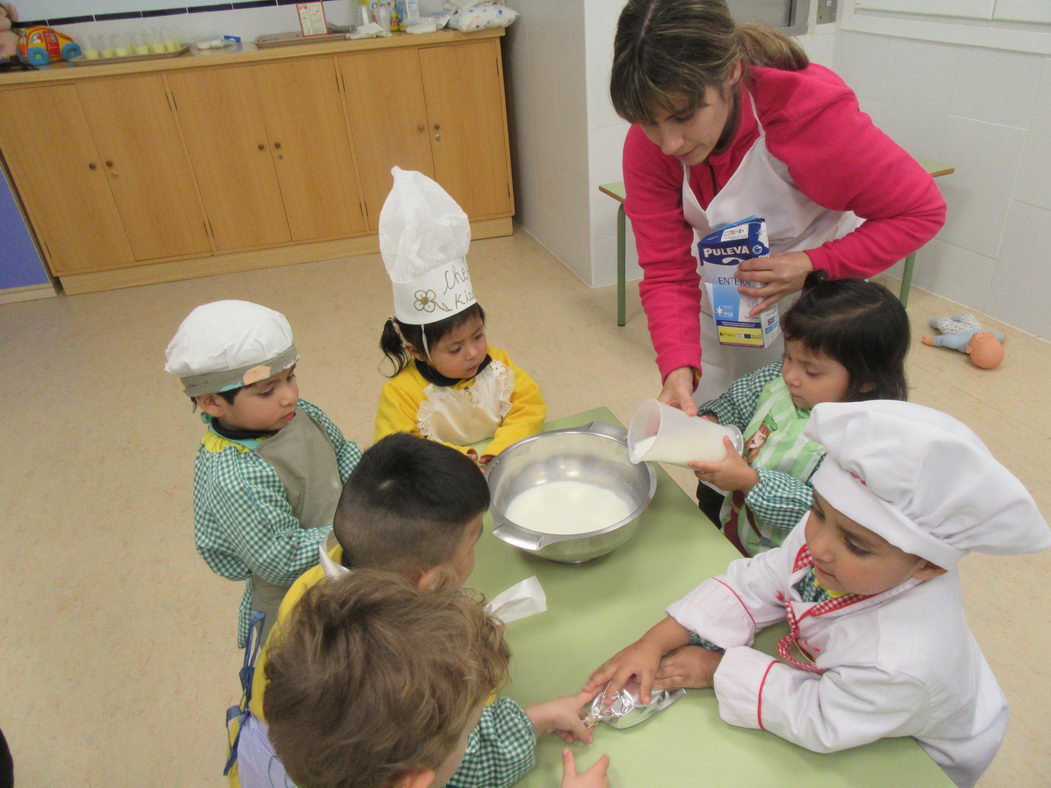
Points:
[[240, 54]]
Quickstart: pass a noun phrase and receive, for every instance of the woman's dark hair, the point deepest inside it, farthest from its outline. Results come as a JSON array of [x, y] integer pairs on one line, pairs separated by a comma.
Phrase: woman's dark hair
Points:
[[395, 331], [666, 52], [859, 324]]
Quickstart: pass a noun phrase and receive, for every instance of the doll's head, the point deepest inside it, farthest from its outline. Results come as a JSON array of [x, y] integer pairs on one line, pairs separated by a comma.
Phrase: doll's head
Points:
[[8, 39]]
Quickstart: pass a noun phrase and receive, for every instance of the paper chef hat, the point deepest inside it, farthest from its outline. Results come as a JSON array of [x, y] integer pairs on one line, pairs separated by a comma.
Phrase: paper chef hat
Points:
[[923, 481], [424, 236], [228, 344]]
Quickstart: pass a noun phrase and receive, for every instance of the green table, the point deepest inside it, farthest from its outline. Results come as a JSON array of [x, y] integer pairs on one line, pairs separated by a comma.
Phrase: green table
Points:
[[596, 608]]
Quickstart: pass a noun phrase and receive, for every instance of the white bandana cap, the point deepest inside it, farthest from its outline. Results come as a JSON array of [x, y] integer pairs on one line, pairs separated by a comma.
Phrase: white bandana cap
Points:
[[228, 344], [923, 481], [424, 237]]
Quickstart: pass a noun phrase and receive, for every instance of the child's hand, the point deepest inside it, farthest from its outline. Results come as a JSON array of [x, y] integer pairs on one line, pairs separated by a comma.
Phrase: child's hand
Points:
[[561, 716], [692, 667], [733, 473], [639, 660], [486, 459], [473, 455], [595, 777]]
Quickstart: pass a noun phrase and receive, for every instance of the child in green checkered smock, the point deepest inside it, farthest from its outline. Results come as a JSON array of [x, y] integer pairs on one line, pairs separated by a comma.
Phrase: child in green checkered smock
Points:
[[845, 341], [271, 466], [412, 508]]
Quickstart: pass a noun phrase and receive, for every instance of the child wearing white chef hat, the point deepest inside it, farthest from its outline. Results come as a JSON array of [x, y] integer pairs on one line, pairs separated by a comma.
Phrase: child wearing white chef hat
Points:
[[448, 384], [271, 466], [878, 644]]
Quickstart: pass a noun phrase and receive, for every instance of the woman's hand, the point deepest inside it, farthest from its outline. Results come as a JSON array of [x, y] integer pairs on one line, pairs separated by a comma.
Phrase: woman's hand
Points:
[[595, 777], [561, 716], [733, 473], [678, 390], [692, 667], [780, 274]]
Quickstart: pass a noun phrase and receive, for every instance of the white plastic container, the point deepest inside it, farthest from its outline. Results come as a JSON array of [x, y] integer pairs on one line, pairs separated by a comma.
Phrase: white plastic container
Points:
[[661, 433]]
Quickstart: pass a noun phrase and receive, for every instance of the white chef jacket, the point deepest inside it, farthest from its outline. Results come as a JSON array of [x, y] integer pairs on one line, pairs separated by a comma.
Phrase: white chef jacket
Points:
[[900, 663]]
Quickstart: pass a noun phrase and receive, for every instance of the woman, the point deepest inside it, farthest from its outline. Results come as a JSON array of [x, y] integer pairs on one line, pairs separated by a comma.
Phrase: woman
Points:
[[731, 121]]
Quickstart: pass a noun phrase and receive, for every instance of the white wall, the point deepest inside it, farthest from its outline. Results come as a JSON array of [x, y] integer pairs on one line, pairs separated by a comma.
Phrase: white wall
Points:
[[544, 57], [987, 113]]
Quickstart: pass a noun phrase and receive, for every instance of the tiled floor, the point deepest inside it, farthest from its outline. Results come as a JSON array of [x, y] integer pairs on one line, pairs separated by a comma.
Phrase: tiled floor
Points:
[[116, 641]]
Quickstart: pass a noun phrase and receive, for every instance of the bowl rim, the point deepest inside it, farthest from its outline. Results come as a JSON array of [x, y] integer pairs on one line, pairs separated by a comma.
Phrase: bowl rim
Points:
[[586, 429]]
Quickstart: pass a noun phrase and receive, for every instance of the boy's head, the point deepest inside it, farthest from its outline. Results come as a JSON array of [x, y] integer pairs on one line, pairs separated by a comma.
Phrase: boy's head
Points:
[[412, 506], [377, 682], [906, 491], [236, 361]]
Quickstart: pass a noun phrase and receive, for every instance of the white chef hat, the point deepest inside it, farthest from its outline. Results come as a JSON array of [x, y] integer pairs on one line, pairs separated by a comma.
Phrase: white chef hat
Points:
[[424, 236], [228, 344], [923, 481]]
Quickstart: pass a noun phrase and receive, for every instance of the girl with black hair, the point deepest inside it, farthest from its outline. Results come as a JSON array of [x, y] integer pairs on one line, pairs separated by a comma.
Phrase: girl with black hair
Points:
[[845, 341]]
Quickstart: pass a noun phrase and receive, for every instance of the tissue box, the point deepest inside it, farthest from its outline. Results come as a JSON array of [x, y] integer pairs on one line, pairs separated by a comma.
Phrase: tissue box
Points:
[[720, 253]]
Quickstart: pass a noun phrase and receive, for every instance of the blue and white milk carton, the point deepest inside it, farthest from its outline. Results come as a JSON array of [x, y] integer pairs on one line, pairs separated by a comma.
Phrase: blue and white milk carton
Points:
[[720, 252]]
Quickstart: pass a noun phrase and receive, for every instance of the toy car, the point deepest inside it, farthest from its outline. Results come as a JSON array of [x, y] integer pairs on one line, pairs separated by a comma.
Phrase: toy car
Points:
[[38, 46]]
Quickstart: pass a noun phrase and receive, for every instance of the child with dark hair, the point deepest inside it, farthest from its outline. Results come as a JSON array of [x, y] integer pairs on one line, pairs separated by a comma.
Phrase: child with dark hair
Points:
[[270, 467], [448, 385], [845, 341], [414, 508], [878, 644]]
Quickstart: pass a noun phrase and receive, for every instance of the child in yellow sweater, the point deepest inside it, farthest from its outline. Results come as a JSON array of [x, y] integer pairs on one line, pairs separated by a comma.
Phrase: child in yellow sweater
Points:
[[449, 384]]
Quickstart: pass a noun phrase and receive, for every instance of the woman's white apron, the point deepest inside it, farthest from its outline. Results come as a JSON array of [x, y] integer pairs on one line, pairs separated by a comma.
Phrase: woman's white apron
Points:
[[761, 186]]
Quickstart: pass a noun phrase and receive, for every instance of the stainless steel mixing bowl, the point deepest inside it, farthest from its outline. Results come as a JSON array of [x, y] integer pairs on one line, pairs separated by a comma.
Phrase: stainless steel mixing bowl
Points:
[[596, 453]]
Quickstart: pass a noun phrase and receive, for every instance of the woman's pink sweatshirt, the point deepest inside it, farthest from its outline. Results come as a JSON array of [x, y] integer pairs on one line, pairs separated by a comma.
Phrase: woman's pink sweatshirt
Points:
[[836, 157]]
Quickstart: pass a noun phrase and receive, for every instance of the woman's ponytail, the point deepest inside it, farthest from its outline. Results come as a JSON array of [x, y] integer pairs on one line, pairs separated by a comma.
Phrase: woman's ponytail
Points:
[[762, 45]]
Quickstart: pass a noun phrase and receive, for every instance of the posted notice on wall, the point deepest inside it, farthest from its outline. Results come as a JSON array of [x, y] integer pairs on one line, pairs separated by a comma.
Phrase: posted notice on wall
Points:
[[312, 19]]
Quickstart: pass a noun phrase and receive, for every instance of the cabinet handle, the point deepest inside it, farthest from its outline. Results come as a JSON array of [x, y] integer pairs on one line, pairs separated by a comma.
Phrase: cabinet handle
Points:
[[437, 126], [261, 146], [92, 166], [280, 155], [421, 128], [109, 163], [277, 145]]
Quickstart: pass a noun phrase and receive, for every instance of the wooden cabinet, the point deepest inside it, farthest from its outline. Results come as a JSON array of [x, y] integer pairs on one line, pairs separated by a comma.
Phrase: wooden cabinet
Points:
[[103, 176], [388, 120], [156, 170], [439, 110], [468, 125], [270, 148], [149, 175]]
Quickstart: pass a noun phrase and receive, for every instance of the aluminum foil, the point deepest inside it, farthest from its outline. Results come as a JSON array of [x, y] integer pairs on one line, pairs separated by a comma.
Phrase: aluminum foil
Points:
[[625, 710]]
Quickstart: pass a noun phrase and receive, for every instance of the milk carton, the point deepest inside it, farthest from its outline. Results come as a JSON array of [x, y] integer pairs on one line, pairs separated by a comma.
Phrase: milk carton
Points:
[[720, 252]]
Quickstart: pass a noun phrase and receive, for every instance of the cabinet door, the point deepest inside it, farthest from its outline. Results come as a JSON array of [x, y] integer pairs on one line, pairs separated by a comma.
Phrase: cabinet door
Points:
[[468, 125], [57, 170], [303, 111], [223, 128], [138, 141], [388, 119]]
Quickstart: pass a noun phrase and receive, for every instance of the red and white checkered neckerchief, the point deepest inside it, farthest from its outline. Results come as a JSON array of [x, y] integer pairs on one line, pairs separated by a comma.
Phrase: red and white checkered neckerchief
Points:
[[785, 644]]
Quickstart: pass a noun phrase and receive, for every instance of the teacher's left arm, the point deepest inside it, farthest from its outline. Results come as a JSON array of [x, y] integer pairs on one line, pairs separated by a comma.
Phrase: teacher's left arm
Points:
[[842, 161]]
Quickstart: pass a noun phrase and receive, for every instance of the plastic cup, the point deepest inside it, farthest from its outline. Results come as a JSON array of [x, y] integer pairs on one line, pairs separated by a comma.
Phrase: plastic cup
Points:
[[661, 433]]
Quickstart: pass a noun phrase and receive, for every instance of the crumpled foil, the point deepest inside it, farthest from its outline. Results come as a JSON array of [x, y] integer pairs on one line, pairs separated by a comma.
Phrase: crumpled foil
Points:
[[625, 710]]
